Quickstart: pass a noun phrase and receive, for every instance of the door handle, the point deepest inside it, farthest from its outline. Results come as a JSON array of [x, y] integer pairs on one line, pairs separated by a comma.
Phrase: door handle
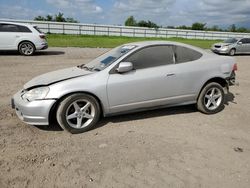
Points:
[[171, 74]]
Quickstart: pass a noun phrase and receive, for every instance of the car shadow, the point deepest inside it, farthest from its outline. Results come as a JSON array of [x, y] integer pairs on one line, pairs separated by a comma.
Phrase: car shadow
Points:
[[41, 53], [37, 53], [229, 98], [247, 54]]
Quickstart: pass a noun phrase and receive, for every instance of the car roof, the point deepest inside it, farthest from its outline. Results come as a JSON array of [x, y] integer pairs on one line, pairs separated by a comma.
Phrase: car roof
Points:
[[152, 43], [16, 23]]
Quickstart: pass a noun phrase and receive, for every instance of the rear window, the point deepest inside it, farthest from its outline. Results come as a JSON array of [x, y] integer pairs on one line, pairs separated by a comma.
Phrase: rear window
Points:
[[36, 28], [183, 54]]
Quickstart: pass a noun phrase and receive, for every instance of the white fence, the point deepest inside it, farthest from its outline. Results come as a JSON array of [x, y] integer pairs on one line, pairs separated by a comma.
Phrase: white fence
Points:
[[110, 30]]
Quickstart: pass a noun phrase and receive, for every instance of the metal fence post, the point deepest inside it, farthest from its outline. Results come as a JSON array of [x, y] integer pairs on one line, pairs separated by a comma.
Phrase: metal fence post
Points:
[[79, 30], [48, 28]]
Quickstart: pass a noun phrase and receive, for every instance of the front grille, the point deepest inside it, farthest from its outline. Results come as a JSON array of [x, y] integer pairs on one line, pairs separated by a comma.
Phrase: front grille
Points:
[[217, 46]]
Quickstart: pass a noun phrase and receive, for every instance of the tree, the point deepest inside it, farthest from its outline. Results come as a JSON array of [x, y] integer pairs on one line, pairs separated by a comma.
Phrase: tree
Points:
[[242, 30], [232, 28], [71, 20], [130, 21], [198, 26], [59, 17], [49, 18], [40, 18], [183, 27]]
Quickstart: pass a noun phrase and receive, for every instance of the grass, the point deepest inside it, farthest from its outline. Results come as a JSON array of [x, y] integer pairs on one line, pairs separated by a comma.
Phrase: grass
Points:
[[61, 40]]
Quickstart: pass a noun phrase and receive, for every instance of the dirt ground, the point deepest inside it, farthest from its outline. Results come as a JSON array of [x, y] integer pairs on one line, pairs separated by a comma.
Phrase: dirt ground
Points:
[[176, 147]]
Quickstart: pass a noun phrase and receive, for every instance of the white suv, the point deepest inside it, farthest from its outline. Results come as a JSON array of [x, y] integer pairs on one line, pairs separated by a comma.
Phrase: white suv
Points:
[[25, 38]]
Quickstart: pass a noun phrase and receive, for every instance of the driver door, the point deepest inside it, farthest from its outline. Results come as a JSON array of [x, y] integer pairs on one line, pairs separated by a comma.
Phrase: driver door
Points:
[[148, 84]]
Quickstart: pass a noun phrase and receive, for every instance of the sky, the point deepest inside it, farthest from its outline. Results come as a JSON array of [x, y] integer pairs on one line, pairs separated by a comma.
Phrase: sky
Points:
[[163, 12]]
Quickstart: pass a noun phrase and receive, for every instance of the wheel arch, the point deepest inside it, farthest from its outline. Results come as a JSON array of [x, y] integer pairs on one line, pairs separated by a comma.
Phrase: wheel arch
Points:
[[25, 41], [52, 112], [219, 80]]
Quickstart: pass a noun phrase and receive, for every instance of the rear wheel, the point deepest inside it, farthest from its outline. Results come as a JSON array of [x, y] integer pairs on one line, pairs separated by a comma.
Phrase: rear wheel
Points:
[[78, 113], [26, 48], [211, 99], [232, 52]]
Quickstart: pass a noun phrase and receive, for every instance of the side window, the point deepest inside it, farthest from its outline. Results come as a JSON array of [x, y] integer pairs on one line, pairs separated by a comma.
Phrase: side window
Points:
[[8, 28], [183, 54], [248, 40], [24, 29], [151, 57], [244, 41]]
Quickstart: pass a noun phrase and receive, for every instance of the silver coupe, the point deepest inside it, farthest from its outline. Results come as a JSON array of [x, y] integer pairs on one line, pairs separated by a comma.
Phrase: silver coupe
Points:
[[129, 78]]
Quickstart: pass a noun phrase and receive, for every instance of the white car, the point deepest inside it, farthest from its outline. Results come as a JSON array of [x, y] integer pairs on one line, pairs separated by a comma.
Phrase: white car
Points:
[[25, 38]]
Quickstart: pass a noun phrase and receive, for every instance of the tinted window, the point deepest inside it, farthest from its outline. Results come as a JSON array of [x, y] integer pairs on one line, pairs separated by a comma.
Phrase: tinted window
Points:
[[183, 54], [244, 41], [151, 57], [248, 40], [14, 28], [24, 29], [8, 28]]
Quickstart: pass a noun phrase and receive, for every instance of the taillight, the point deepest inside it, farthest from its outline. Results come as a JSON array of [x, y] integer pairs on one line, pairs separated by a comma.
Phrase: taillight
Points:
[[235, 67], [42, 36]]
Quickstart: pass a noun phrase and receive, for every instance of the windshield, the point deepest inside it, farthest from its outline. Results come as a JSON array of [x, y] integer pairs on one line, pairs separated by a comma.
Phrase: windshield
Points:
[[107, 59], [231, 40]]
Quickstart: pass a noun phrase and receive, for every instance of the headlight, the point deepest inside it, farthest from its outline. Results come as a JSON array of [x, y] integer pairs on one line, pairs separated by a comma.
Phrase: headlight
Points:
[[36, 94], [225, 48]]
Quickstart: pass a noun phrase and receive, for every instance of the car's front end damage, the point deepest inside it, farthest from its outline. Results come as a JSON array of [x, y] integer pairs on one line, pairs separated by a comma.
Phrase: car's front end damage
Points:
[[35, 111]]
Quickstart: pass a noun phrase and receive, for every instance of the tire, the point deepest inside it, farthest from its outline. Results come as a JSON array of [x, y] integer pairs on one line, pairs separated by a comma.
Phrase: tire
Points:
[[78, 113], [211, 99], [232, 52], [26, 48]]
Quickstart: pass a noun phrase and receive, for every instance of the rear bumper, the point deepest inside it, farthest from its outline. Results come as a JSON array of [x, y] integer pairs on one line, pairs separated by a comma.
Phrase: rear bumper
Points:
[[42, 46], [231, 80], [35, 112]]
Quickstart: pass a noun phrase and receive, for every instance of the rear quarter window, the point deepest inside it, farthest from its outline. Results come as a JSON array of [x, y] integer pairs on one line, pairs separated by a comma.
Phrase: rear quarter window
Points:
[[36, 28], [24, 29], [184, 54]]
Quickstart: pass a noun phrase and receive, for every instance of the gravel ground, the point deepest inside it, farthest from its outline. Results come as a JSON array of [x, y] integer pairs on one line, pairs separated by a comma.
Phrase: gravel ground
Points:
[[176, 147]]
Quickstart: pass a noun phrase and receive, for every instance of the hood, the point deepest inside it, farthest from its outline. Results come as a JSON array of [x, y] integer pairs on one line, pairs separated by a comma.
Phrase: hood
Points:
[[56, 76]]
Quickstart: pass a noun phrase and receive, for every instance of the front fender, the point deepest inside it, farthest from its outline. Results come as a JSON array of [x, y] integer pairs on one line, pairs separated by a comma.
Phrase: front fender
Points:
[[93, 84]]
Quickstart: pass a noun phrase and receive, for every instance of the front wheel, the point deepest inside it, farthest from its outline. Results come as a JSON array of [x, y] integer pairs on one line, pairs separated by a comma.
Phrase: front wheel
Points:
[[232, 52], [26, 48], [78, 113], [211, 99]]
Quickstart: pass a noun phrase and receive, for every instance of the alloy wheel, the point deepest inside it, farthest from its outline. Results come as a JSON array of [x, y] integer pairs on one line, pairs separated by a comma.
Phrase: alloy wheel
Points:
[[27, 48], [80, 113], [213, 98]]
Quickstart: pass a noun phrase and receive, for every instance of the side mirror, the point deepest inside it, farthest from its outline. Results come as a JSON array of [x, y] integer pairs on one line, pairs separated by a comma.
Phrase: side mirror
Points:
[[124, 67], [240, 43]]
